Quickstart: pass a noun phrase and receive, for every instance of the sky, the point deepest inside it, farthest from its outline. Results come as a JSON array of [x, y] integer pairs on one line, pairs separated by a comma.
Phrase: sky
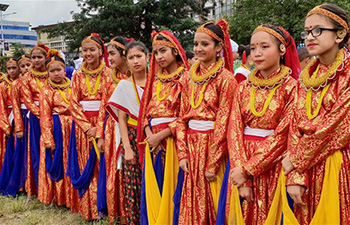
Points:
[[40, 12]]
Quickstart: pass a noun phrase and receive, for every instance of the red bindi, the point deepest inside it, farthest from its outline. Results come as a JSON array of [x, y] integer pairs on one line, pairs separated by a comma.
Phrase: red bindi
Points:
[[310, 27]]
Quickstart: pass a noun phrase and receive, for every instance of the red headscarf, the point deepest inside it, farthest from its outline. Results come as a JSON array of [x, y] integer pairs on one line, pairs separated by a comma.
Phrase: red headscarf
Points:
[[153, 68], [291, 58]]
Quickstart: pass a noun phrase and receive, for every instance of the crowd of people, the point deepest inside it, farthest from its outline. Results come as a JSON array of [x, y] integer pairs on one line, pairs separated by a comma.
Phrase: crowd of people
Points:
[[173, 138]]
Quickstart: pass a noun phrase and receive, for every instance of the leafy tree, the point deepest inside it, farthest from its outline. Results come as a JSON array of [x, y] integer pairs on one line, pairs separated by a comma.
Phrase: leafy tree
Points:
[[248, 14], [129, 18], [18, 51]]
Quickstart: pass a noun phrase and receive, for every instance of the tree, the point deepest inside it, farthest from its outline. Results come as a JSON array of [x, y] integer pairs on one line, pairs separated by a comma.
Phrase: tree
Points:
[[248, 14], [18, 51], [110, 18]]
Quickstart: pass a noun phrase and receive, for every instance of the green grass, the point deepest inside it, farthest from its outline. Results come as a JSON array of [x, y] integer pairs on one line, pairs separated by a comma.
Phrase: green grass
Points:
[[29, 211]]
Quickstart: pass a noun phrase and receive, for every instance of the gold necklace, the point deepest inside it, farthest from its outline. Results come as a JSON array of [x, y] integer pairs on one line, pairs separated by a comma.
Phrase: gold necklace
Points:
[[61, 87], [66, 84], [270, 83], [38, 74], [201, 95], [309, 97], [64, 96], [159, 89], [266, 104], [95, 72], [9, 82], [114, 76], [97, 84], [172, 76], [201, 79], [312, 83]]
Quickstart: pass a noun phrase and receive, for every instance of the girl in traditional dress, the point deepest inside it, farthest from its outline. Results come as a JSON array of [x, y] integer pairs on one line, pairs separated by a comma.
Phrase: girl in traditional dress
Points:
[[24, 63], [160, 110], [56, 120], [319, 140], [115, 185], [260, 119], [206, 100], [6, 121], [32, 84], [21, 129], [87, 101], [124, 106]]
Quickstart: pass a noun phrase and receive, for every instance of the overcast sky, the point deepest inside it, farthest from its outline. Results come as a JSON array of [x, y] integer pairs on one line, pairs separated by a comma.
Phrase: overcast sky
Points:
[[40, 12]]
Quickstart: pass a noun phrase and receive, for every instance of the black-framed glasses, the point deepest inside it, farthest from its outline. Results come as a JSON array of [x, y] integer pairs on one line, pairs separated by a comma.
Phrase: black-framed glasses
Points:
[[315, 32]]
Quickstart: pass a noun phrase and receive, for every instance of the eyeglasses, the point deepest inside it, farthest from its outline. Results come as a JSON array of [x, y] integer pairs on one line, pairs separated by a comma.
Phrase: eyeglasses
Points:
[[314, 32]]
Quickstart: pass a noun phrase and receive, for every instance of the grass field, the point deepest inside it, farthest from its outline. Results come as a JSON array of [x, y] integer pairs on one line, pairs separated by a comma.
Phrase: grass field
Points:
[[29, 211]]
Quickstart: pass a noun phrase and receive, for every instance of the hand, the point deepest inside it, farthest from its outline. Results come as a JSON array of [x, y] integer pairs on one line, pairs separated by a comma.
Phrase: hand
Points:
[[296, 192], [91, 132], [183, 164], [153, 140], [210, 176], [20, 134], [246, 193], [130, 156], [101, 145], [287, 164], [237, 176]]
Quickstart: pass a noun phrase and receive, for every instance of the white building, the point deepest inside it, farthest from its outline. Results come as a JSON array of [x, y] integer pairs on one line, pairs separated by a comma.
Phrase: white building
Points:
[[15, 32], [216, 9]]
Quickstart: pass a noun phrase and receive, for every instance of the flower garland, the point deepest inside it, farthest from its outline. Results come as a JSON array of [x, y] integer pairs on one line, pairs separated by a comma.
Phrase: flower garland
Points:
[[61, 87], [313, 83], [271, 83]]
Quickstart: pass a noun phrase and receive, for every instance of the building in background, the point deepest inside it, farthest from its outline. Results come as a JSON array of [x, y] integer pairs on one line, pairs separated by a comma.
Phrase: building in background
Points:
[[216, 9], [20, 33], [56, 42]]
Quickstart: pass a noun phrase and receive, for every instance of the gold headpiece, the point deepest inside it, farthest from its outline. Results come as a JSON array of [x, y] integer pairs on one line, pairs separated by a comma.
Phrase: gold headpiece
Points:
[[274, 33], [203, 29], [116, 43], [89, 39], [324, 12], [169, 43]]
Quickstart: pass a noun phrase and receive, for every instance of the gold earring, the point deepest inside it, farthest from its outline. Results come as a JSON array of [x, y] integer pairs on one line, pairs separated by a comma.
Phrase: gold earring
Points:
[[341, 34], [282, 48]]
